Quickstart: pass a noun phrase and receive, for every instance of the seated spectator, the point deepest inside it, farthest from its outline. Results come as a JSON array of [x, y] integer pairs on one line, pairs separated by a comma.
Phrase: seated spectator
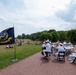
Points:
[[47, 50], [9, 46], [72, 56], [19, 43], [59, 48]]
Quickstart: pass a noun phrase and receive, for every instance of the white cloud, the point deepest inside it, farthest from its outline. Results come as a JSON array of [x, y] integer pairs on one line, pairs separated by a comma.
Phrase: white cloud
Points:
[[30, 16]]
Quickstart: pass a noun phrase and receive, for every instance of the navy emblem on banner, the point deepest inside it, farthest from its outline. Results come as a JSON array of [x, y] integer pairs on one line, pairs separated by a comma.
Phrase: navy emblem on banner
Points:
[[7, 36]]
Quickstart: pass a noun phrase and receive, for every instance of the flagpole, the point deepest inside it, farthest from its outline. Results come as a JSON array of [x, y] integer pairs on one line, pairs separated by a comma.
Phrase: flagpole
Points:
[[14, 51], [14, 59]]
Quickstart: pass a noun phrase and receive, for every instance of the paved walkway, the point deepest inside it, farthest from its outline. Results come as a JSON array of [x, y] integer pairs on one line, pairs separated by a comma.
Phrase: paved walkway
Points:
[[34, 65]]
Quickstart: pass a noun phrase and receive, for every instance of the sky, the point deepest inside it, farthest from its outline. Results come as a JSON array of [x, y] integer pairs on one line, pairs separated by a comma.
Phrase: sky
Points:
[[31, 16]]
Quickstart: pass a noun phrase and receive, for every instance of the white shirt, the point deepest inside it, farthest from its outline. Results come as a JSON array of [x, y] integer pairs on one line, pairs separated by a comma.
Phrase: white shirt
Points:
[[43, 45], [72, 55], [48, 47], [60, 48]]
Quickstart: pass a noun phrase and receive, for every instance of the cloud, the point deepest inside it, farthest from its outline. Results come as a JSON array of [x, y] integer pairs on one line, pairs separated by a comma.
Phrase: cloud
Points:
[[12, 4], [69, 13], [29, 16]]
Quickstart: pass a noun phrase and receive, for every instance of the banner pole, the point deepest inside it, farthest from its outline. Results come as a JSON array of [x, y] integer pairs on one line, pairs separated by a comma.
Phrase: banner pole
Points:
[[14, 51], [14, 59]]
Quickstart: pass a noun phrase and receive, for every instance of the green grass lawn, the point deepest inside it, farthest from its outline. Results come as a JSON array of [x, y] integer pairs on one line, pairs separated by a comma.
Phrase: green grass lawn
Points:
[[23, 51]]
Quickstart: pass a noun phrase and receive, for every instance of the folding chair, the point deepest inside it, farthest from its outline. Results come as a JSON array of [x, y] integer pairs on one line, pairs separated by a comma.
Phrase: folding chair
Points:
[[47, 55], [61, 56]]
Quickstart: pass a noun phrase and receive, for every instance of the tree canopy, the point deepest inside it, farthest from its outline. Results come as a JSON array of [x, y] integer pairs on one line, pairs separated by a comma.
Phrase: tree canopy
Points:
[[53, 35]]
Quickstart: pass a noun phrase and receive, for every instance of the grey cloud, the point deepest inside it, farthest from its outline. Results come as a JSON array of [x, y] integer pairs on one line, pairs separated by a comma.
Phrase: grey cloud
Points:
[[69, 13], [71, 26], [67, 26]]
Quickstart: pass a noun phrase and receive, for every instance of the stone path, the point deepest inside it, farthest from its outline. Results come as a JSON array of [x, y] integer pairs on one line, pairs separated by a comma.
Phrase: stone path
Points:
[[34, 65]]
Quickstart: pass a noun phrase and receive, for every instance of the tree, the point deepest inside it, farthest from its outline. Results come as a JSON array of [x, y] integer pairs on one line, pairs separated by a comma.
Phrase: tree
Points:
[[33, 37], [23, 36], [45, 35], [63, 36], [19, 37], [72, 36], [55, 36], [51, 30]]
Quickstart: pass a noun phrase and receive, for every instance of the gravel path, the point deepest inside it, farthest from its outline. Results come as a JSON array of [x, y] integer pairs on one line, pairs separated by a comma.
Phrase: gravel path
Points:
[[34, 65]]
